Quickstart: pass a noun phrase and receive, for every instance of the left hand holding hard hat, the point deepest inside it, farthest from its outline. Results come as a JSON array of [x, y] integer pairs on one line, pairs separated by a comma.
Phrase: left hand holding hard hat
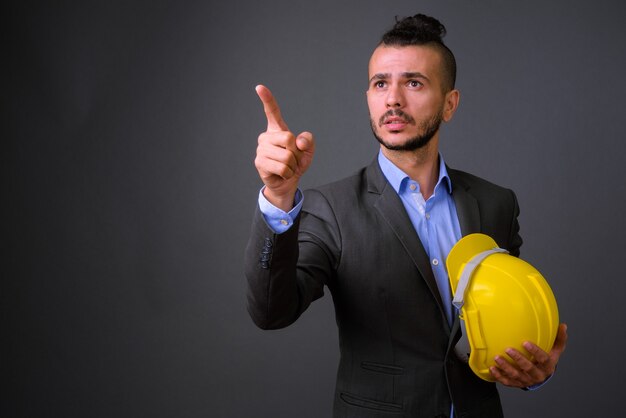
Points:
[[524, 373]]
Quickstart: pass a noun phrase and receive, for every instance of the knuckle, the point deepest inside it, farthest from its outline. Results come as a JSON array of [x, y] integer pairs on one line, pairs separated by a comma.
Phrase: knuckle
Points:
[[533, 349], [283, 155], [284, 170], [514, 374], [514, 354], [286, 137], [262, 138], [527, 367]]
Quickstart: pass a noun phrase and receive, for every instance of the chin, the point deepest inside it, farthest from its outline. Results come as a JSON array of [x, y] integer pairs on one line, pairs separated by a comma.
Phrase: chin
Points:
[[395, 140]]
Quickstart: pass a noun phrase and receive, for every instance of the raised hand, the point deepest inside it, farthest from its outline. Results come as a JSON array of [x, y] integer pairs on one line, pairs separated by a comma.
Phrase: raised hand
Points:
[[281, 157]]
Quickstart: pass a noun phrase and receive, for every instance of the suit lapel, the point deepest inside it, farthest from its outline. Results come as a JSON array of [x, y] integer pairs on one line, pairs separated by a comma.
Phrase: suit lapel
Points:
[[469, 221], [466, 204], [392, 210]]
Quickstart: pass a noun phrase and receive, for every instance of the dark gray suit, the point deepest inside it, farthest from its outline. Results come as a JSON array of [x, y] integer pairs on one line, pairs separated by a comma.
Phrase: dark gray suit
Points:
[[355, 237]]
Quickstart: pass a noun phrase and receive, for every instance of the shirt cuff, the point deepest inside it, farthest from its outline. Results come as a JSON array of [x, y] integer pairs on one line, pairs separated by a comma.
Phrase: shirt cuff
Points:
[[538, 385], [277, 219]]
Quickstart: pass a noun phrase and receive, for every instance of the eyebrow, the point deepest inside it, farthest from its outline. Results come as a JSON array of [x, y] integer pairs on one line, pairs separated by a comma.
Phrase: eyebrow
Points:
[[410, 74]]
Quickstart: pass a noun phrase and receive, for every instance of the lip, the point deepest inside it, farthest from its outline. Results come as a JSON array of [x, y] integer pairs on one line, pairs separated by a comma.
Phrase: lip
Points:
[[395, 126], [395, 123]]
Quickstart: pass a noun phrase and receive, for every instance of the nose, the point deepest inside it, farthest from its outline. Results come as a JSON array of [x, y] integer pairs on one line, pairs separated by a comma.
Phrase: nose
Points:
[[394, 97]]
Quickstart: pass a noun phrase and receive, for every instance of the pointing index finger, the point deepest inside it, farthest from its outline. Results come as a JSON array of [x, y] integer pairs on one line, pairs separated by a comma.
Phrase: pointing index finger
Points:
[[275, 121]]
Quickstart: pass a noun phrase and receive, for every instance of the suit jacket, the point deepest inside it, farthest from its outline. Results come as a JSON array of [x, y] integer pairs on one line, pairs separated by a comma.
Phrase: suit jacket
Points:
[[355, 237]]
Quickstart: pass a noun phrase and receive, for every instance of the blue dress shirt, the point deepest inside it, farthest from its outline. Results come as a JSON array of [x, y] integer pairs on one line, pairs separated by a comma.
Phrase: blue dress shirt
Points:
[[435, 220]]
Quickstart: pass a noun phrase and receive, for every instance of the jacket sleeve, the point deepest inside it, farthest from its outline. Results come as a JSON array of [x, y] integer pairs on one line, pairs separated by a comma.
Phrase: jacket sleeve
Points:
[[286, 272], [515, 240]]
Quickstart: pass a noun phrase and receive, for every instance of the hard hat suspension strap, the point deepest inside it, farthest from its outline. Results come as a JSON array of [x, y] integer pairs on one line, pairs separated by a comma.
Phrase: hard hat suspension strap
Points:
[[468, 270], [462, 347]]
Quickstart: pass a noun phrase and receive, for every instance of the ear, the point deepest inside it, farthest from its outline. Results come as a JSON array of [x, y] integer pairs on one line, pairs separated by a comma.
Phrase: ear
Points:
[[450, 104]]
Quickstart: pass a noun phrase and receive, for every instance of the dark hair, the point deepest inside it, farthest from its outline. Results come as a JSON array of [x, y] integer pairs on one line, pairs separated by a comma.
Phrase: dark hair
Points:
[[423, 30]]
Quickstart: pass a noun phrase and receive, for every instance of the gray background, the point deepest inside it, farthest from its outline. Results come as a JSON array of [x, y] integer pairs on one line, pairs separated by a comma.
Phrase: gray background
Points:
[[129, 131]]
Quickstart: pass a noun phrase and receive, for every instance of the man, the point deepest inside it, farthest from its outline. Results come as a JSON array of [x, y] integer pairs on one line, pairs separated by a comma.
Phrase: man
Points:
[[379, 239]]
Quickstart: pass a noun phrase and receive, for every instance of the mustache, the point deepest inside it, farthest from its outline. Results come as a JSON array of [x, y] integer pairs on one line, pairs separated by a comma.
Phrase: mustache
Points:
[[397, 113]]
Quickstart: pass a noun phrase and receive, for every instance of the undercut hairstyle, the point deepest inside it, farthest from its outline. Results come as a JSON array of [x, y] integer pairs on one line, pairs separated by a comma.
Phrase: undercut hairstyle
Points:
[[423, 30]]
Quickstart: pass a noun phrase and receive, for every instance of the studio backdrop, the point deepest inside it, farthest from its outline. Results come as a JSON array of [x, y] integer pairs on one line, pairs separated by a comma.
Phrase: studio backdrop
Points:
[[129, 131]]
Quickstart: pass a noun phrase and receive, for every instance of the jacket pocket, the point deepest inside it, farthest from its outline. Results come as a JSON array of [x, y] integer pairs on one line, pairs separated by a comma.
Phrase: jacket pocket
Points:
[[382, 368], [370, 403]]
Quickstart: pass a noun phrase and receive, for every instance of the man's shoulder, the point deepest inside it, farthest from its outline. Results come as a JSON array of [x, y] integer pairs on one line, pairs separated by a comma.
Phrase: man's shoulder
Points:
[[355, 181], [344, 191], [349, 182], [472, 181]]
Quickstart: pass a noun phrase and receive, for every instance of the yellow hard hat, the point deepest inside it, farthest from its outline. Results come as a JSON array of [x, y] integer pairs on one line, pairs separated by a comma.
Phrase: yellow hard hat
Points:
[[502, 302]]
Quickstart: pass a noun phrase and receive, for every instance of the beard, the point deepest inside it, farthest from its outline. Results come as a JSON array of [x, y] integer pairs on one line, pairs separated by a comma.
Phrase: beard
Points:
[[427, 130]]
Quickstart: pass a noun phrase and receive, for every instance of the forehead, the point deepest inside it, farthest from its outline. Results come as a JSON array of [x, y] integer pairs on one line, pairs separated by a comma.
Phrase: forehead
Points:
[[402, 59]]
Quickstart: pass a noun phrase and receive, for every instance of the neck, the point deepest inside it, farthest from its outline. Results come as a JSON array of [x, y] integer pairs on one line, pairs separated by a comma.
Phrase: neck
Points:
[[421, 165]]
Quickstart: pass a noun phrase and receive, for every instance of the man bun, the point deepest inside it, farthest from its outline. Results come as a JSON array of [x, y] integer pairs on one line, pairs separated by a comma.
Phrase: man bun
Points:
[[415, 30]]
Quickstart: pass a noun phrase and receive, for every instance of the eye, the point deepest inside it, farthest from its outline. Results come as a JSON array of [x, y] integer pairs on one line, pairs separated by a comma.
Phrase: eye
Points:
[[380, 84], [415, 83]]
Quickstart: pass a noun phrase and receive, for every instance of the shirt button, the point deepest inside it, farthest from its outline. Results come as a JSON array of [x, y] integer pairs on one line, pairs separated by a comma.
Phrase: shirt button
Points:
[[428, 216], [413, 187], [435, 262], [284, 221]]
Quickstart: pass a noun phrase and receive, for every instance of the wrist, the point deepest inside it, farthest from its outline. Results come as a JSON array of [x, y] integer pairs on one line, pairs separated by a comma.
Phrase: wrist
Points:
[[283, 201]]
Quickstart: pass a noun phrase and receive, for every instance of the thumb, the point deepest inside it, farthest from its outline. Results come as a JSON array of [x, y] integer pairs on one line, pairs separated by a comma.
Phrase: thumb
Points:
[[305, 142], [561, 338]]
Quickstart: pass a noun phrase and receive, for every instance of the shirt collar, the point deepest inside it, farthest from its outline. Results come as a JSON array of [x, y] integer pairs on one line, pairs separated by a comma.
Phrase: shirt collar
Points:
[[398, 178]]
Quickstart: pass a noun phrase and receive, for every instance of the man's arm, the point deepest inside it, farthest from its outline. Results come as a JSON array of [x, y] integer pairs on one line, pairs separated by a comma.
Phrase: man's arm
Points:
[[524, 373], [515, 240], [286, 271], [276, 294]]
